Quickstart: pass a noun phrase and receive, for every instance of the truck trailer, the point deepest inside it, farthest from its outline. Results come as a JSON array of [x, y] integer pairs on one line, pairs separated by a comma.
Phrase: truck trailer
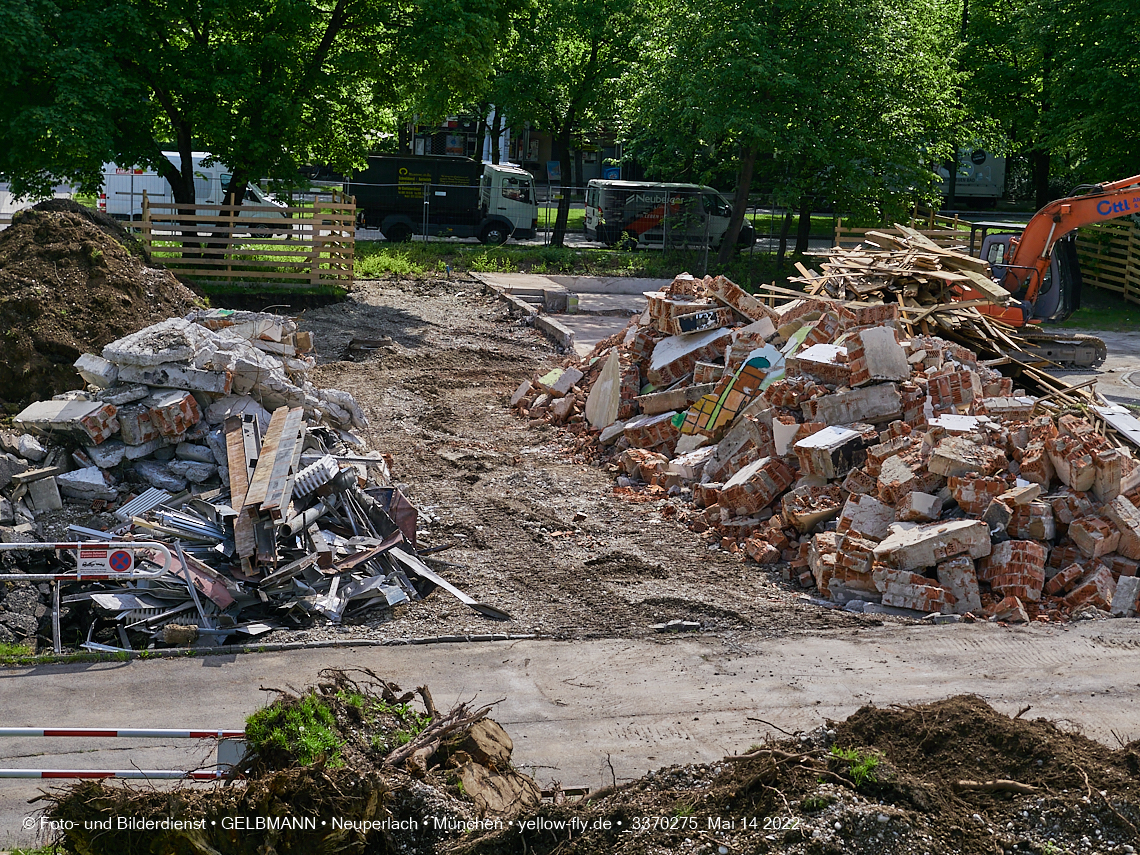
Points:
[[445, 196]]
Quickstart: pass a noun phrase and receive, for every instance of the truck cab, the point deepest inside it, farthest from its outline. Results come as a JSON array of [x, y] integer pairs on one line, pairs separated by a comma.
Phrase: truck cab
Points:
[[506, 195]]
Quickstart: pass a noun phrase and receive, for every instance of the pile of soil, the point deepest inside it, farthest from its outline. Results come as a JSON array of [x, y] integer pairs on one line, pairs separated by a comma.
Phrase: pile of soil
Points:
[[72, 280], [885, 781]]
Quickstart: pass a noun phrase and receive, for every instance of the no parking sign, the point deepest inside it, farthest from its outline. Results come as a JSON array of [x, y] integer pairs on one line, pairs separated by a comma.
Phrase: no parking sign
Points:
[[103, 558]]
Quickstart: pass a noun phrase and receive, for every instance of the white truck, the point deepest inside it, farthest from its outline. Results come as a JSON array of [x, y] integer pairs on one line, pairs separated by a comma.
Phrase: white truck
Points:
[[9, 204], [980, 179], [123, 188]]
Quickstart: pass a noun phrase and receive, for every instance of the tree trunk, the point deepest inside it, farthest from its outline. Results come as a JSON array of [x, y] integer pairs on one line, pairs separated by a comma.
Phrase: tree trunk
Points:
[[481, 131], [803, 229], [739, 204], [559, 236], [496, 132], [785, 228], [1039, 161]]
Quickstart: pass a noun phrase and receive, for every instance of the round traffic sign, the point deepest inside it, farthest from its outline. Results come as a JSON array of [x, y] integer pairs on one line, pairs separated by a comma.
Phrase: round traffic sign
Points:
[[120, 561]]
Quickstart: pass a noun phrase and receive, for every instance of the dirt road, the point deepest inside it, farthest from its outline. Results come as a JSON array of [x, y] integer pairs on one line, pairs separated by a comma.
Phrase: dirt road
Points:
[[537, 532]]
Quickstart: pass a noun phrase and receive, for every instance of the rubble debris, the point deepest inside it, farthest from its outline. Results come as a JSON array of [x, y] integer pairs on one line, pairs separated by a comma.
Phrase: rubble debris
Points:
[[835, 435], [255, 478]]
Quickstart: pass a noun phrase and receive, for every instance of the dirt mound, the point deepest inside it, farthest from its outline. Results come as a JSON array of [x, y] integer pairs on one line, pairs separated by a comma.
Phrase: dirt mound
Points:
[[885, 781], [69, 285]]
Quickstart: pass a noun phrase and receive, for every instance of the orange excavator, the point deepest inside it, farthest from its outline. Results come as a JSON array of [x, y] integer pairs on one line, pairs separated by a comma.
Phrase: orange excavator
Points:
[[1039, 268]]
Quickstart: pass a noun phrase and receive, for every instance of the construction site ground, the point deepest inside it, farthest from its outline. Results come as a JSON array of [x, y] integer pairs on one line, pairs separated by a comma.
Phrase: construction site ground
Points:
[[597, 695]]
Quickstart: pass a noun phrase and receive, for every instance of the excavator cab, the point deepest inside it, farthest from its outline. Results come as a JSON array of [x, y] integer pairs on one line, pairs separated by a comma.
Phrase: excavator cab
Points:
[[1060, 292]]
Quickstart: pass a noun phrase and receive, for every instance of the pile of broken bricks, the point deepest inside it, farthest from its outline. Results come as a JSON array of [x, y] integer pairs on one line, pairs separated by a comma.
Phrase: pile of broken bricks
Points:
[[205, 433], [891, 471]]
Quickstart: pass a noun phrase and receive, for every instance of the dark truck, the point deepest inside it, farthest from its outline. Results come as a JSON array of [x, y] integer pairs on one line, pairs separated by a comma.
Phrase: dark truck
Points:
[[450, 196]]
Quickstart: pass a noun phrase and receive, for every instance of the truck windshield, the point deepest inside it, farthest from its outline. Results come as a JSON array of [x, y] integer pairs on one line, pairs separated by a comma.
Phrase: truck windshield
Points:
[[516, 189]]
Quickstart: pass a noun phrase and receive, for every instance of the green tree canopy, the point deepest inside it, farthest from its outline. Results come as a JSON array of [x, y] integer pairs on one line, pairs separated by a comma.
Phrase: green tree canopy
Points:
[[264, 85], [564, 71], [832, 98]]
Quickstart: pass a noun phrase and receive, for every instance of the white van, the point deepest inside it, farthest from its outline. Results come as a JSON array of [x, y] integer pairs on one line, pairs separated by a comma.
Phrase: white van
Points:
[[9, 205], [123, 188], [659, 214]]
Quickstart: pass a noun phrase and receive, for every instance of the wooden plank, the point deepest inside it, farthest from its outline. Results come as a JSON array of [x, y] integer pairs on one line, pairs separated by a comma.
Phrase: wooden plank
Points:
[[259, 484], [239, 463], [279, 490]]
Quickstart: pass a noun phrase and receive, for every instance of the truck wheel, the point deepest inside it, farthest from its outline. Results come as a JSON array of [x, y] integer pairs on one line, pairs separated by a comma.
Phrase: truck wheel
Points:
[[495, 234], [629, 241], [398, 233]]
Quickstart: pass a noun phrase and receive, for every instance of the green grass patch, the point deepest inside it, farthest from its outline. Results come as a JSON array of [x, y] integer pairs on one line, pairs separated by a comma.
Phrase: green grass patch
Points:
[[304, 729], [1103, 310], [861, 765], [14, 651], [377, 259]]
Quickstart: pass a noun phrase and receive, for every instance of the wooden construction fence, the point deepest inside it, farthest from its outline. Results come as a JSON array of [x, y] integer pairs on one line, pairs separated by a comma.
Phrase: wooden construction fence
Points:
[[1109, 254], [306, 245], [944, 231]]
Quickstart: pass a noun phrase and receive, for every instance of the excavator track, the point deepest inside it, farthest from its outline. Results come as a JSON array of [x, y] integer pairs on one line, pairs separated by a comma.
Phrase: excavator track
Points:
[[1071, 350]]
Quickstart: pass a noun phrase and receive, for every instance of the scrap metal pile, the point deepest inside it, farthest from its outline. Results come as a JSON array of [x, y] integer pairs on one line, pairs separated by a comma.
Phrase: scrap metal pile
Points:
[[273, 518], [834, 435]]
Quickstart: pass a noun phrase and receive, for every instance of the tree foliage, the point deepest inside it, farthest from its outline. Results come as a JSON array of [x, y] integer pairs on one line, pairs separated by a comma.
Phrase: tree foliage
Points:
[[564, 71], [833, 98], [264, 85]]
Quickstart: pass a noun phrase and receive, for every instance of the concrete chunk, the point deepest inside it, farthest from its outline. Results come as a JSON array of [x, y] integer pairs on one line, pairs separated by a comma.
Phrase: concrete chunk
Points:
[[912, 547], [559, 381], [831, 453], [87, 485], [675, 356], [122, 395], [30, 448], [957, 575], [44, 494], [97, 371], [867, 516], [159, 475], [878, 403], [1125, 599], [86, 421], [168, 376], [919, 507], [874, 355], [173, 340], [957, 455], [194, 471], [108, 455]]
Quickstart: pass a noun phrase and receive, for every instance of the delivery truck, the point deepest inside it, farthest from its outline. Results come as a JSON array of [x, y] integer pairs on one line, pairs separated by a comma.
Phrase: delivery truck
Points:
[[445, 196], [656, 214]]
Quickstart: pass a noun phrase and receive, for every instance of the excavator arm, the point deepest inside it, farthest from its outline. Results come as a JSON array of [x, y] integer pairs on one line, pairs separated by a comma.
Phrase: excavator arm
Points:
[[1032, 252]]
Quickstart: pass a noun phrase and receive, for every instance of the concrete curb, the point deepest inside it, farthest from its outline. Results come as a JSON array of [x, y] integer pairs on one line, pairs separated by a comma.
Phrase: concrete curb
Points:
[[556, 332], [181, 652]]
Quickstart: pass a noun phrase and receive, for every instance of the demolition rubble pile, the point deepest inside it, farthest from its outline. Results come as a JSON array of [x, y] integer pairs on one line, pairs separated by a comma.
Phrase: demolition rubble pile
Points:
[[890, 469], [205, 433]]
